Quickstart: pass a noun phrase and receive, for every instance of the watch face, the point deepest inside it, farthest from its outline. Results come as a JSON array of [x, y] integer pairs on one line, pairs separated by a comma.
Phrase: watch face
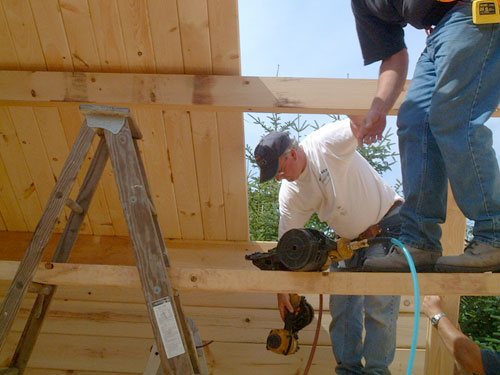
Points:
[[435, 318]]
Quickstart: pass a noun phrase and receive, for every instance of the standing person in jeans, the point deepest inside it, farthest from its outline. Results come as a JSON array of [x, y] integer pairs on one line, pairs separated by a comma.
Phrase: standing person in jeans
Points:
[[325, 174], [454, 90]]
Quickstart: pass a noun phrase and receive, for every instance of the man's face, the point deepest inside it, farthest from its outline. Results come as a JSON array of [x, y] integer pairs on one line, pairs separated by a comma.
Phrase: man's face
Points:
[[288, 167]]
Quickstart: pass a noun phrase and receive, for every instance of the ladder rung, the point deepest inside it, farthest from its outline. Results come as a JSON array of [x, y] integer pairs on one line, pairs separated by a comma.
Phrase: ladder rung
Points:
[[74, 206], [39, 288]]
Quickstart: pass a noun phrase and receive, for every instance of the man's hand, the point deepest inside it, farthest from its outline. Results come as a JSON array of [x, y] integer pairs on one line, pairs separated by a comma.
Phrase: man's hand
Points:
[[432, 305], [390, 83], [284, 304], [369, 129]]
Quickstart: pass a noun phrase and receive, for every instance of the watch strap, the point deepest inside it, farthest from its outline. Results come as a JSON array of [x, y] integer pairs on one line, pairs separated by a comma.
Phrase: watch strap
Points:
[[435, 319]]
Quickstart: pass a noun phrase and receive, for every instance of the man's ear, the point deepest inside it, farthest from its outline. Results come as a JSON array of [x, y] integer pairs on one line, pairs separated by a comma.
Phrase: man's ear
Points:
[[293, 153]]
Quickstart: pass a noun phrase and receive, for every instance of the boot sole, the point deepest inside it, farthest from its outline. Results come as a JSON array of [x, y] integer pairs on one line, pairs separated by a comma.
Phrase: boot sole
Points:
[[467, 269]]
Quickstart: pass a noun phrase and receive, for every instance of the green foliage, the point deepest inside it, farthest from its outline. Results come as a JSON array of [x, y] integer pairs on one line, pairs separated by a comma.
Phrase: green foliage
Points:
[[479, 318], [263, 203]]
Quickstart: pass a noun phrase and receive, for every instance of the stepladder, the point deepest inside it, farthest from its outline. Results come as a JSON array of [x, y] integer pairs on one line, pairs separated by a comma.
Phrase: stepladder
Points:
[[118, 135]]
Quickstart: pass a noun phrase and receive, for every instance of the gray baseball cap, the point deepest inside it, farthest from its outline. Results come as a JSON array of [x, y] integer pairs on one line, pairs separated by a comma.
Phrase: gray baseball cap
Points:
[[268, 152]]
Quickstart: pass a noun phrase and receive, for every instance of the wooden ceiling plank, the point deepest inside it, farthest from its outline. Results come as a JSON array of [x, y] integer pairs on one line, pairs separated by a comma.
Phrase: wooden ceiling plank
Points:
[[192, 298], [98, 212], [118, 250], [80, 35], [195, 38], [3, 226], [110, 44], [112, 200], [136, 35], [181, 156], [50, 28], [11, 212], [52, 132], [28, 131], [251, 359], [206, 151], [166, 37], [85, 353], [225, 52], [37, 371], [80, 355], [224, 36], [8, 56], [158, 169], [233, 167], [24, 34], [241, 325], [224, 323], [18, 171]]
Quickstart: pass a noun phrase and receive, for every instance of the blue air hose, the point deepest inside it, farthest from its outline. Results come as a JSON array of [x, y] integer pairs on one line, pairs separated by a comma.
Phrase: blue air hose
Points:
[[416, 293]]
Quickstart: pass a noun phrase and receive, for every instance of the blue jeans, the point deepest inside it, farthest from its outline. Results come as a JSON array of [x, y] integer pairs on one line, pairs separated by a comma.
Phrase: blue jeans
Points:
[[380, 319], [455, 89]]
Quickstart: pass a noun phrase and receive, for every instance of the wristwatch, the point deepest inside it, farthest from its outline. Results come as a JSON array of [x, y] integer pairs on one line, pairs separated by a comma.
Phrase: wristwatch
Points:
[[435, 318]]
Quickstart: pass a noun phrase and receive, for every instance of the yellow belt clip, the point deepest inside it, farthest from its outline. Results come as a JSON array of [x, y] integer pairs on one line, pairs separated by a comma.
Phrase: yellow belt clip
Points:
[[485, 11]]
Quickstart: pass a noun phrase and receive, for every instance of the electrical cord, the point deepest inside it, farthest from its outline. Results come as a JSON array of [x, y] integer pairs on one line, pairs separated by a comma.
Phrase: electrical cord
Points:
[[316, 335]]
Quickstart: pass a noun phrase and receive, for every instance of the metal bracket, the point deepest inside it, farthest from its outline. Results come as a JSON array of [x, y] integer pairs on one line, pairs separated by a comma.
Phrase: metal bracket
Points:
[[106, 117]]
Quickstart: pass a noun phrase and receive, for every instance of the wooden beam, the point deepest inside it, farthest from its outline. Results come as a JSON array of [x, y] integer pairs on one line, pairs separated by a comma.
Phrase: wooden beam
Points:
[[194, 92], [191, 92], [240, 280]]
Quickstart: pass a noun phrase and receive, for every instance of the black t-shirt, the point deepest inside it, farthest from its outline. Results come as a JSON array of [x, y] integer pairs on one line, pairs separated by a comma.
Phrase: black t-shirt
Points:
[[491, 361], [380, 23]]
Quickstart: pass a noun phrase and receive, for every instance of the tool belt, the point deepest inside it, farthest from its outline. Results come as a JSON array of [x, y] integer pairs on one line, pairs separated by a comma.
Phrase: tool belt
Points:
[[389, 226], [375, 229]]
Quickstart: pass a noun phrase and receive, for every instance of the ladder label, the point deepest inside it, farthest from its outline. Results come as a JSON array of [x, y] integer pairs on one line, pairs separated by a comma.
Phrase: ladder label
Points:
[[165, 318]]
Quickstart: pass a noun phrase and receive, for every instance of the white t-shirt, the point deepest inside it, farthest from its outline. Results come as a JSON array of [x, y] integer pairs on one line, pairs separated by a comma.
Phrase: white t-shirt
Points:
[[337, 183]]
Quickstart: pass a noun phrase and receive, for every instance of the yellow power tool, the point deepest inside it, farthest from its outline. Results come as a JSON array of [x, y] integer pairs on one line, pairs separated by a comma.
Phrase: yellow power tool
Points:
[[305, 249], [301, 249], [285, 341]]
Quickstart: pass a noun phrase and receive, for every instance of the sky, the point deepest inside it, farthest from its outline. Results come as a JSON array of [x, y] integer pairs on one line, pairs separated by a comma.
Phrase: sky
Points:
[[314, 38]]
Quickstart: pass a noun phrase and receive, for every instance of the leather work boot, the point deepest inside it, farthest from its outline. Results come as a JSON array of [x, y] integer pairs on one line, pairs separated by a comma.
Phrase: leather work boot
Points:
[[395, 261], [477, 257]]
